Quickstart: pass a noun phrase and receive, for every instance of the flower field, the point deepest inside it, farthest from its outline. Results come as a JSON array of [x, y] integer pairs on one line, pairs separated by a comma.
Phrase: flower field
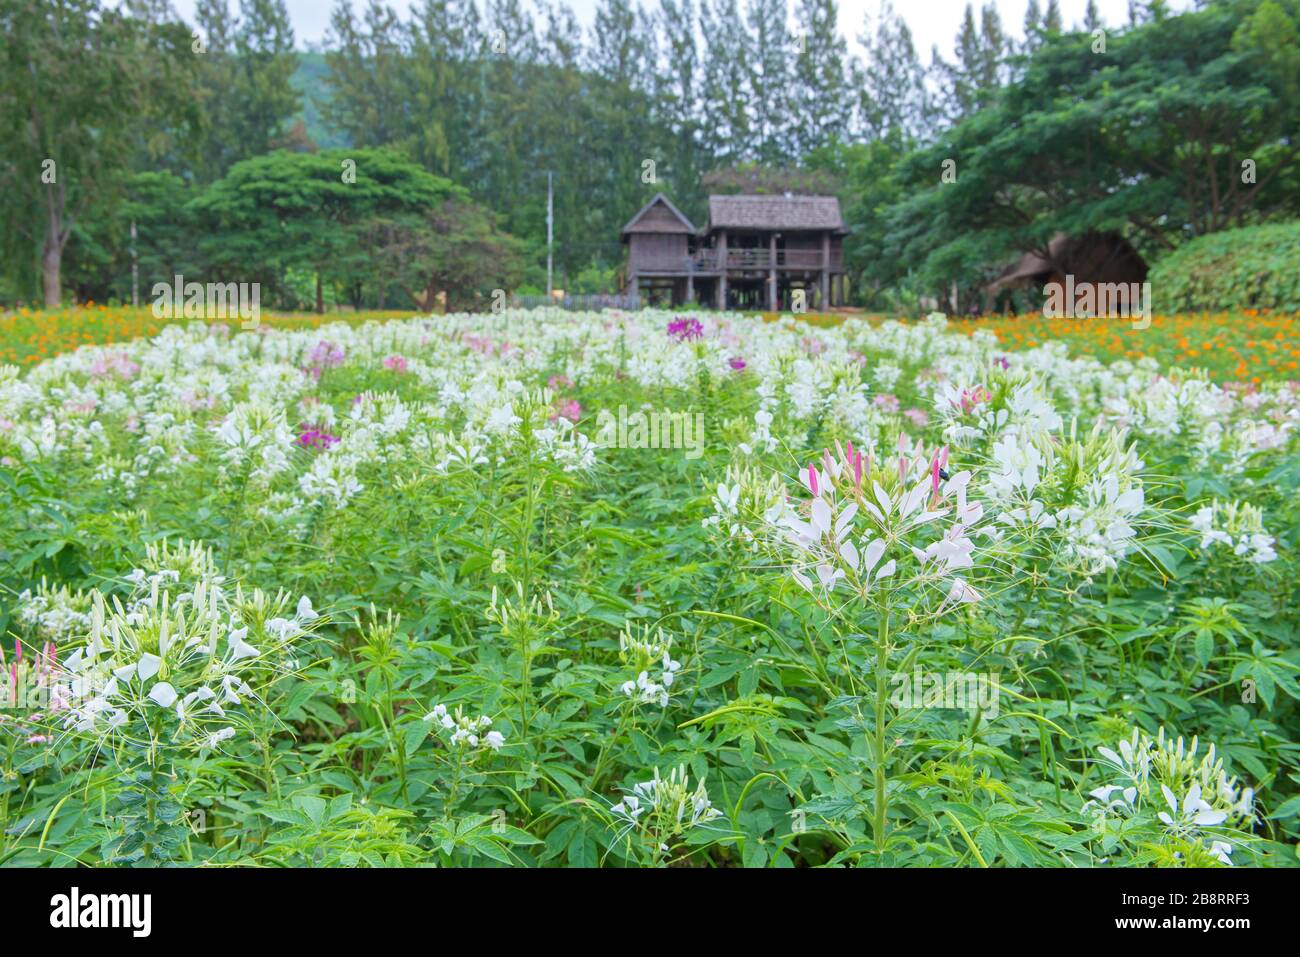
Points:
[[1249, 346], [29, 336], [647, 589]]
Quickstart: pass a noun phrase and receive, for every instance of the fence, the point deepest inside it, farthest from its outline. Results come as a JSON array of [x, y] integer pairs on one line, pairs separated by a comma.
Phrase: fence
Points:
[[594, 301]]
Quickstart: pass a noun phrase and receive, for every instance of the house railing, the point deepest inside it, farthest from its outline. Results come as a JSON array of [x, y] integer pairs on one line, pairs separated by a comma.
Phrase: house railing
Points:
[[759, 259]]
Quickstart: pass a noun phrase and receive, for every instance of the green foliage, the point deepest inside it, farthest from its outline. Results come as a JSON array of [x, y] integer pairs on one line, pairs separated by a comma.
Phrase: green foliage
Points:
[[1148, 137], [1257, 267], [87, 92]]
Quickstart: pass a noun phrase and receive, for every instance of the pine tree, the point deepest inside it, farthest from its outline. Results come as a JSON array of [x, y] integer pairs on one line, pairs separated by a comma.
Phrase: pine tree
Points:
[[1052, 22], [263, 100], [820, 88], [625, 144], [892, 99], [1033, 27], [436, 82], [981, 68], [770, 76], [725, 94], [994, 47], [244, 87], [509, 173], [562, 143], [678, 78], [1092, 17], [216, 65], [679, 74], [960, 79], [368, 99]]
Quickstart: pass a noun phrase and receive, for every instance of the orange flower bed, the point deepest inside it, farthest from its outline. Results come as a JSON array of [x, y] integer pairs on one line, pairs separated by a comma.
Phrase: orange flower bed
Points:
[[28, 336], [1248, 346]]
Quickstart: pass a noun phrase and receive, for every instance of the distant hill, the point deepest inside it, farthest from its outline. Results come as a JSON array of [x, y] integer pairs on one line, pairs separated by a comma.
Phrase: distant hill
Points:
[[309, 79]]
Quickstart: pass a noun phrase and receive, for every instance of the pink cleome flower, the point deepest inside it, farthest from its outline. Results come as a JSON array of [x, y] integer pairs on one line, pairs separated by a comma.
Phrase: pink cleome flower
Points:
[[325, 355], [567, 409], [309, 438], [685, 328]]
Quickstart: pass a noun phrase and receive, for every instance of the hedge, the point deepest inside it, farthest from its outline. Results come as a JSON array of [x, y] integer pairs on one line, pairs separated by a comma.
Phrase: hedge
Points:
[[1253, 268]]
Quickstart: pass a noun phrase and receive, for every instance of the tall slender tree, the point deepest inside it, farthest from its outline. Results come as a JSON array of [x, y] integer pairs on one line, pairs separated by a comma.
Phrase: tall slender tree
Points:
[[770, 72], [79, 80], [1033, 27], [1092, 17], [263, 100], [727, 94], [892, 96], [820, 112]]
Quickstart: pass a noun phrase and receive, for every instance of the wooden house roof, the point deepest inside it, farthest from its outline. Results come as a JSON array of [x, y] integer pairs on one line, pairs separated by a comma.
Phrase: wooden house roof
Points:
[[657, 216], [814, 213], [1093, 257]]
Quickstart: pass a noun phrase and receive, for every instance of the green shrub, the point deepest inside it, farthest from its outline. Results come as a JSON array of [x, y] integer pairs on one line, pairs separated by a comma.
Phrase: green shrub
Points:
[[1253, 268]]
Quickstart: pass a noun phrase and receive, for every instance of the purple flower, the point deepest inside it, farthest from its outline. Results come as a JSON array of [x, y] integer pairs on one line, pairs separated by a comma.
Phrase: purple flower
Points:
[[738, 364], [1002, 362], [316, 439], [685, 328], [326, 355]]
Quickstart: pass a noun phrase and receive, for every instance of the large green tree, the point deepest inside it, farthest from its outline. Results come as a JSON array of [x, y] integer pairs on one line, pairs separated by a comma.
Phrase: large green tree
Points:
[[1183, 127], [308, 213], [80, 84], [454, 251]]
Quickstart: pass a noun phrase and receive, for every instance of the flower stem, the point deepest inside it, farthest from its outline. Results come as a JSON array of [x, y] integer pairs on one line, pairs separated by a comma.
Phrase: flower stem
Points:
[[882, 661]]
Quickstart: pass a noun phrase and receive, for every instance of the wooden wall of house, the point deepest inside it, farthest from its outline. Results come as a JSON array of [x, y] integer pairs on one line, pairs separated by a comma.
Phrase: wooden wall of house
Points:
[[811, 242], [803, 240], [661, 252]]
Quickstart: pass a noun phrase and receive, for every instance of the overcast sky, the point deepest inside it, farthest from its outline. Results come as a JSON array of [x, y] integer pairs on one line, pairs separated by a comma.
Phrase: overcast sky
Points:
[[931, 21]]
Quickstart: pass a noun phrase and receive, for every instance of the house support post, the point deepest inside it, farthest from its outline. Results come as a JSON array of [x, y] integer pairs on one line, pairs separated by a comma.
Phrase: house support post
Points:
[[824, 298], [722, 269], [771, 274]]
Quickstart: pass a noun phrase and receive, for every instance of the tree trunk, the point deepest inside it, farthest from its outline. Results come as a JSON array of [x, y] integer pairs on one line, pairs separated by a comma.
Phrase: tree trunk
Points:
[[51, 263]]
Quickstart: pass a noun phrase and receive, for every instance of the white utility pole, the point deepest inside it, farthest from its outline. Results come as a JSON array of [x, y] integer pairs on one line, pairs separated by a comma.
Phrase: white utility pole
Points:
[[135, 270], [550, 224]]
